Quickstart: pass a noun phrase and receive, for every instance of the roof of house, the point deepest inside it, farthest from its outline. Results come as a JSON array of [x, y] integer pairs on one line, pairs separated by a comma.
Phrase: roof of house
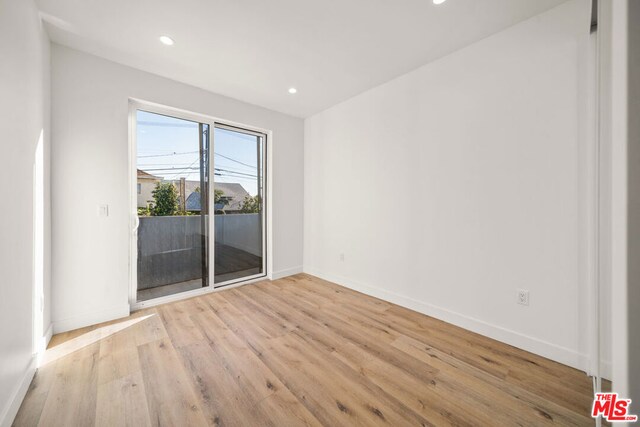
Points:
[[189, 186], [233, 192], [145, 175]]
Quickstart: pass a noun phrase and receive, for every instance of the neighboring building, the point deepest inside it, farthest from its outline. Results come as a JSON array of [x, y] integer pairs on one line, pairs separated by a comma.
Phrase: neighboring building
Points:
[[146, 185], [234, 195], [189, 188]]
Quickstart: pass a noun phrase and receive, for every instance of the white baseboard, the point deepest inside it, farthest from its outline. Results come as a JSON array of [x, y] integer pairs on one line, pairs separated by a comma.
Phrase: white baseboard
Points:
[[46, 338], [43, 344], [284, 273], [90, 318], [10, 411], [542, 348]]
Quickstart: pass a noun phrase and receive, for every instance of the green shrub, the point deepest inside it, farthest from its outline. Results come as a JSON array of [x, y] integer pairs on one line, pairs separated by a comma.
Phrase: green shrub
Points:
[[165, 197]]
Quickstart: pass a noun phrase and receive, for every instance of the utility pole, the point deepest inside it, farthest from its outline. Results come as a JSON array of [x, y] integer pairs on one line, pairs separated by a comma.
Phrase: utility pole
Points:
[[183, 192]]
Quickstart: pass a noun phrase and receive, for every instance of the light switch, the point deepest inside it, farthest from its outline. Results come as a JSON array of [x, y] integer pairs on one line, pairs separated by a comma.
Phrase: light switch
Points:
[[103, 210]]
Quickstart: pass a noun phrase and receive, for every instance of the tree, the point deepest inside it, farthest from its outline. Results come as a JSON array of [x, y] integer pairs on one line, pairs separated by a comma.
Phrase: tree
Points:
[[146, 211], [165, 198], [251, 204], [218, 197]]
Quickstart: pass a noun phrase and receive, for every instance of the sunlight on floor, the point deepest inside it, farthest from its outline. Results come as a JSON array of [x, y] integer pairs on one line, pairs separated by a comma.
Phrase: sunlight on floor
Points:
[[88, 338]]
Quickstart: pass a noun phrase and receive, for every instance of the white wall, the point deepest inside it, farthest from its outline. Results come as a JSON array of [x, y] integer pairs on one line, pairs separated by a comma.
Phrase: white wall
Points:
[[633, 292], [620, 137], [612, 35], [90, 167], [449, 188], [24, 120]]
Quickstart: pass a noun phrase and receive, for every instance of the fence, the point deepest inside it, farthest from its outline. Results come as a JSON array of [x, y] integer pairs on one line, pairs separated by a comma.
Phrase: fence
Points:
[[170, 247]]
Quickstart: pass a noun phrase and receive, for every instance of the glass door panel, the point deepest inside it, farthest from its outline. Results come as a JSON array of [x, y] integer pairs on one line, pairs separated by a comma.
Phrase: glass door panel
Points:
[[172, 188], [239, 204]]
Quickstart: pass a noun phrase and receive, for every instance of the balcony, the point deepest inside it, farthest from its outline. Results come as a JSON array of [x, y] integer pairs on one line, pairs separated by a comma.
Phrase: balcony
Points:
[[170, 252]]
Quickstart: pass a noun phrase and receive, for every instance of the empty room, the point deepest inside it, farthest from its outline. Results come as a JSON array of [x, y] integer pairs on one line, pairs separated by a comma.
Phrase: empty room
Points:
[[319, 213]]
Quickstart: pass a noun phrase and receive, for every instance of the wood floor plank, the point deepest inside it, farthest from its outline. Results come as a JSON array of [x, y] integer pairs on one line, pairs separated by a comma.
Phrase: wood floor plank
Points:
[[471, 348], [121, 398], [283, 408], [122, 402], [315, 381], [223, 402], [33, 404], [419, 396], [487, 354], [170, 396], [358, 336], [405, 326], [397, 379], [315, 335], [295, 351], [150, 329], [178, 324], [118, 357], [72, 398], [518, 396], [238, 359], [517, 366], [254, 380]]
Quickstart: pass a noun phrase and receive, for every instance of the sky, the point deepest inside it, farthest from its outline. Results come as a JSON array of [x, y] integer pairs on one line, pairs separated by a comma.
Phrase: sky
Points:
[[169, 148]]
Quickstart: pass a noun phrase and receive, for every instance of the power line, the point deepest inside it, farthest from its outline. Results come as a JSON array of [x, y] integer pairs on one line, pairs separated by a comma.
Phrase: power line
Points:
[[189, 167], [236, 178], [192, 168], [236, 172], [156, 167], [194, 152], [234, 160]]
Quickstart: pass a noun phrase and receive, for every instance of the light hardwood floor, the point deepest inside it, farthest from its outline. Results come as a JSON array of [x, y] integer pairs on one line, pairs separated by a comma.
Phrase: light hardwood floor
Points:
[[295, 351]]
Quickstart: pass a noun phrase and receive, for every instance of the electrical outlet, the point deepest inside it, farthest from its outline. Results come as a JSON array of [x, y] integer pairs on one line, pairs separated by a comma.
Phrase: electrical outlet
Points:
[[523, 297], [342, 257]]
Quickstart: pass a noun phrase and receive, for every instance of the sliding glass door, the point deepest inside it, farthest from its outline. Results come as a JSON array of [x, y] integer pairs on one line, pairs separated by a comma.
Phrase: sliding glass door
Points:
[[239, 204], [179, 247], [172, 170]]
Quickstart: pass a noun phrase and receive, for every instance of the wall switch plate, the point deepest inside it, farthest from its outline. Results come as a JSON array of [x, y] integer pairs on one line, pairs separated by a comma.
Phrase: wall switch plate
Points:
[[342, 257], [523, 297], [103, 210]]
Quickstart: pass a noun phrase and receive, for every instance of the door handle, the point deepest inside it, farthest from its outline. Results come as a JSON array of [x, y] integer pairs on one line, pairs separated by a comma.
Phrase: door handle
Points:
[[136, 223]]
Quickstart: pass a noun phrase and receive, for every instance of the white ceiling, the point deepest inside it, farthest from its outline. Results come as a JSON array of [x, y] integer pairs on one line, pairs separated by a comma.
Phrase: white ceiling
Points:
[[254, 50]]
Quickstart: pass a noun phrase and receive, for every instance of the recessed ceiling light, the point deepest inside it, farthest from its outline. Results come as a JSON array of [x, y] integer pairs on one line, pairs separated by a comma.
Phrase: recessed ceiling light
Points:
[[438, 1], [167, 40], [293, 90]]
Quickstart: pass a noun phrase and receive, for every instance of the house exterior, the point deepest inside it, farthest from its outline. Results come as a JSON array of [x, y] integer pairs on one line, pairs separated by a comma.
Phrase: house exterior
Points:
[[145, 186], [233, 195]]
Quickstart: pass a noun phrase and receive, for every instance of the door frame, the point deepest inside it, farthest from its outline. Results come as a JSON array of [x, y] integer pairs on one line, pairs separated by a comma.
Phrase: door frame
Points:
[[213, 122]]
